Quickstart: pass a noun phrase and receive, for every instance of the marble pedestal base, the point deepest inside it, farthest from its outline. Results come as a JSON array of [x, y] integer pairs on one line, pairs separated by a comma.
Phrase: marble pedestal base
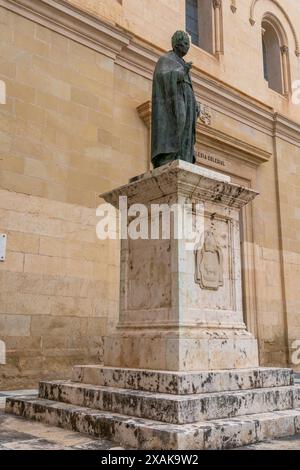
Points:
[[183, 369], [155, 410], [181, 352], [181, 306]]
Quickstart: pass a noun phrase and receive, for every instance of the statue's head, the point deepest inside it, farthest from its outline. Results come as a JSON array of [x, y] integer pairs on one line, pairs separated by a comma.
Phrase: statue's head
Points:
[[181, 43]]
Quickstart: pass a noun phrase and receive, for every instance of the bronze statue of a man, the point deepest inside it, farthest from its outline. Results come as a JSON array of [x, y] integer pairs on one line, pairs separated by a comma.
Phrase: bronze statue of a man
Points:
[[174, 106]]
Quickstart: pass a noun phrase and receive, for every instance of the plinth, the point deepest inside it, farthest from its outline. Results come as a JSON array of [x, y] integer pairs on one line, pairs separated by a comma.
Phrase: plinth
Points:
[[181, 301]]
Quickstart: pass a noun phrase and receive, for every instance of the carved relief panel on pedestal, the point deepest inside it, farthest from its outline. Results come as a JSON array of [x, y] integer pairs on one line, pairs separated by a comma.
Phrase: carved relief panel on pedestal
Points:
[[209, 263]]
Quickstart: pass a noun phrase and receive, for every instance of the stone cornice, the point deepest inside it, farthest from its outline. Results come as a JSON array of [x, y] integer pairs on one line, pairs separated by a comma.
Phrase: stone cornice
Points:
[[108, 39], [138, 58], [73, 23], [217, 140], [231, 146], [182, 179], [137, 55], [229, 101], [286, 129]]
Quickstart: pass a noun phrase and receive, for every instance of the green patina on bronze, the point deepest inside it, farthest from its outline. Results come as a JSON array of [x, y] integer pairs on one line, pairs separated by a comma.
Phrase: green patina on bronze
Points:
[[174, 106]]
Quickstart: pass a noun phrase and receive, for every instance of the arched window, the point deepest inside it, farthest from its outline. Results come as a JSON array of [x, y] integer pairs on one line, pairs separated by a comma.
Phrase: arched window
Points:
[[203, 23], [192, 20], [275, 56]]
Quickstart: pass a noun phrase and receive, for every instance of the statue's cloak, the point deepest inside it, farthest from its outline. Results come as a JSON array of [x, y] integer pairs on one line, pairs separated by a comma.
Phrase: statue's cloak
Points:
[[173, 111]]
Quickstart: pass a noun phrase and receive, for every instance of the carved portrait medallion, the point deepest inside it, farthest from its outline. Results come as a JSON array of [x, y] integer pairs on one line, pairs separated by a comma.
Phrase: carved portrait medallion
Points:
[[209, 263]]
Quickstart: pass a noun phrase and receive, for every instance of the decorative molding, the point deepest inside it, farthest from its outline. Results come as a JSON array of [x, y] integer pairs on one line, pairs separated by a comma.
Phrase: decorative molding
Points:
[[284, 50], [135, 54], [218, 27], [138, 59], [61, 17], [276, 24], [217, 140], [233, 6], [145, 113], [230, 146], [234, 104], [276, 2], [286, 129], [71, 22], [217, 3], [204, 114]]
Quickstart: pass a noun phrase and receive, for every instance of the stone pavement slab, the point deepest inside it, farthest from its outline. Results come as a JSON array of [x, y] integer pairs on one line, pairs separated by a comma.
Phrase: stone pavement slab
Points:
[[286, 443]]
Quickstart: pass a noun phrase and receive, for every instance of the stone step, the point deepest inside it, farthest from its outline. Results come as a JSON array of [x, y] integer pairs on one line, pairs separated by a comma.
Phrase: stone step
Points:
[[152, 435], [183, 383], [174, 409]]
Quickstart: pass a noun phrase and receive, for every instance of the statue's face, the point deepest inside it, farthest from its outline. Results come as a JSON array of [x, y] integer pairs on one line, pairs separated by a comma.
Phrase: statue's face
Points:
[[182, 47]]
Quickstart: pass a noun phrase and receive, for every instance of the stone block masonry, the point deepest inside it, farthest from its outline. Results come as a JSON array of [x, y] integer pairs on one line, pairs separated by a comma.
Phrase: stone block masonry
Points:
[[60, 144], [58, 288]]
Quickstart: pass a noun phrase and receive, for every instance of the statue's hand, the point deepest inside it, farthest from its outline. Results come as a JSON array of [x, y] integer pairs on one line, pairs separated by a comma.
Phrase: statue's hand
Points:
[[188, 66], [198, 110]]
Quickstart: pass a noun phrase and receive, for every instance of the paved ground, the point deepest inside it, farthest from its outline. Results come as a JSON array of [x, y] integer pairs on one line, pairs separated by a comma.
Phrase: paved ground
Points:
[[20, 434], [288, 443]]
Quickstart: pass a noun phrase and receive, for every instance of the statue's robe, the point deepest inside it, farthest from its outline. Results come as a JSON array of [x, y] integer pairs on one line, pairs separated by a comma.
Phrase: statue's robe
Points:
[[173, 112]]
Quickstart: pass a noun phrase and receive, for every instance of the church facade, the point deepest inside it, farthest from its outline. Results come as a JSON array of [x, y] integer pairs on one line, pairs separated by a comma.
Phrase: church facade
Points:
[[75, 120]]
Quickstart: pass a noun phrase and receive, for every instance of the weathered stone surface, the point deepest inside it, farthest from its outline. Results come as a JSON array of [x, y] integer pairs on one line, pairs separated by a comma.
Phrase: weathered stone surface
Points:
[[173, 409], [147, 434], [297, 424], [189, 352], [20, 434], [262, 404], [297, 397], [181, 383], [164, 181], [168, 320], [284, 425]]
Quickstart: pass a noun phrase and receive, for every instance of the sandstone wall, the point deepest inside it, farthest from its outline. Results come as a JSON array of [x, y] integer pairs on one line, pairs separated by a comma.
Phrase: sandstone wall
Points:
[[241, 64], [68, 131]]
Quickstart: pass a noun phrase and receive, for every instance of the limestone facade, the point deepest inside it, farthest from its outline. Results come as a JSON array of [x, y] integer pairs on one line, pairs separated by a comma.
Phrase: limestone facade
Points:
[[76, 124]]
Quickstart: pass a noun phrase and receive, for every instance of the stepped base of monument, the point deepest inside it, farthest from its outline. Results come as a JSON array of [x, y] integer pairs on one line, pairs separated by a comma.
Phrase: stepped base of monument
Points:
[[169, 410]]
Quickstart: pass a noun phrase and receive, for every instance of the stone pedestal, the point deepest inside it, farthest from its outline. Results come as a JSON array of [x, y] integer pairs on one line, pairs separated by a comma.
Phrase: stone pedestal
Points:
[[181, 303], [181, 370]]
